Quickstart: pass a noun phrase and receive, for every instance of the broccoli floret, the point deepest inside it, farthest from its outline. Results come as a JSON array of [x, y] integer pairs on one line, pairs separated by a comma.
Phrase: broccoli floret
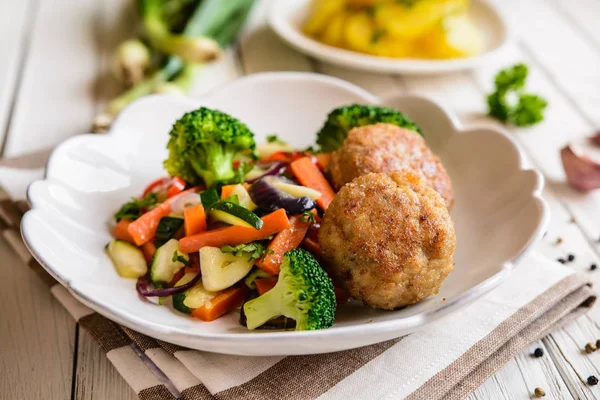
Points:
[[204, 144], [510, 104], [343, 119], [303, 292]]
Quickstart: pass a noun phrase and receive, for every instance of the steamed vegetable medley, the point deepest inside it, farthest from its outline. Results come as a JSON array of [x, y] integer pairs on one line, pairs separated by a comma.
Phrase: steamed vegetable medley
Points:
[[236, 224]]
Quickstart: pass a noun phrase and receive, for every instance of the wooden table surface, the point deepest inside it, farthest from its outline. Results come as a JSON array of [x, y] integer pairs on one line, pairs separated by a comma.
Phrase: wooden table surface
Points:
[[54, 78]]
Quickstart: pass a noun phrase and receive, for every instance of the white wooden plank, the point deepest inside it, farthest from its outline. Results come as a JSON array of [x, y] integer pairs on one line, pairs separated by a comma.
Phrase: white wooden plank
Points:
[[96, 377], [56, 95], [262, 51], [36, 335], [16, 19], [582, 15], [502, 385]]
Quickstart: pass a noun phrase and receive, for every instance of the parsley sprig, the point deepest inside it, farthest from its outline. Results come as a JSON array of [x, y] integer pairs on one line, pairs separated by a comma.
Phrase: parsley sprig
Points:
[[510, 103], [255, 249], [134, 209]]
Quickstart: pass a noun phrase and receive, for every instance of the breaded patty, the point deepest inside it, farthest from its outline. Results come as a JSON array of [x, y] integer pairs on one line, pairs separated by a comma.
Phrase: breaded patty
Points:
[[387, 148], [388, 239]]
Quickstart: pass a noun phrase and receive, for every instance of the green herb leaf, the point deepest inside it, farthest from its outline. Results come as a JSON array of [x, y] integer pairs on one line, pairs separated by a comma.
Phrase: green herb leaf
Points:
[[168, 227], [209, 197], [308, 216], [255, 249], [178, 257], [232, 199], [274, 139], [527, 109], [136, 207]]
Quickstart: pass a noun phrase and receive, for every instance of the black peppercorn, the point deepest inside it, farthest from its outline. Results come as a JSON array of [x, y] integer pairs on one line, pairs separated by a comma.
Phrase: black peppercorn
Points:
[[571, 257], [592, 380], [593, 267], [539, 352], [561, 260]]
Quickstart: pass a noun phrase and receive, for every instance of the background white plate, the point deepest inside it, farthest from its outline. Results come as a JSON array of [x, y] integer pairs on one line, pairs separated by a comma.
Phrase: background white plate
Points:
[[498, 211], [287, 17]]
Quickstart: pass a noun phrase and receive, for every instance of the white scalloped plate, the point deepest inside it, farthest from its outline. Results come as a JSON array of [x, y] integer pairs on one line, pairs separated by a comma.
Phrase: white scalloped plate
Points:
[[287, 16], [498, 213]]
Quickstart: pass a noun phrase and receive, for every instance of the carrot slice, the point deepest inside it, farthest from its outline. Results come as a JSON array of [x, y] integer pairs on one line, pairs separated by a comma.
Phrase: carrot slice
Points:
[[285, 240], [312, 246], [263, 285], [194, 220], [144, 228], [121, 231], [226, 191], [309, 175], [148, 249], [234, 235], [323, 159], [222, 303]]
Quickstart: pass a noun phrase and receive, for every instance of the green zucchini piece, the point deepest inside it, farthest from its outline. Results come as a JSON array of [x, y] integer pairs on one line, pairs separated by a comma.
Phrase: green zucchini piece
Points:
[[234, 214], [128, 259], [163, 267], [255, 274], [167, 227], [179, 298]]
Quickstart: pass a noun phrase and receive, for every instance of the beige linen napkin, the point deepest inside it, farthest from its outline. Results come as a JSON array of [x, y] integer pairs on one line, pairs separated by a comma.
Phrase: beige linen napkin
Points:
[[448, 359]]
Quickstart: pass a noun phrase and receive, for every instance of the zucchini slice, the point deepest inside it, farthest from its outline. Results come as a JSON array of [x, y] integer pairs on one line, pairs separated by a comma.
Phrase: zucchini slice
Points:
[[222, 270], [193, 298], [179, 298], [235, 214], [255, 274], [128, 259], [243, 197], [163, 267], [265, 150]]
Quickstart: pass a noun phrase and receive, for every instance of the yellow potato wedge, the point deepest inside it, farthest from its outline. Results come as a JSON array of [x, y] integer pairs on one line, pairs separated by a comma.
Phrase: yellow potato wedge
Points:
[[412, 21], [333, 34], [455, 36], [358, 31], [321, 14], [388, 46]]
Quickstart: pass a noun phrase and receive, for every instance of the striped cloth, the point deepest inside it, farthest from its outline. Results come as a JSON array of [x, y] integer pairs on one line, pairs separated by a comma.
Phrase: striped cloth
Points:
[[448, 359]]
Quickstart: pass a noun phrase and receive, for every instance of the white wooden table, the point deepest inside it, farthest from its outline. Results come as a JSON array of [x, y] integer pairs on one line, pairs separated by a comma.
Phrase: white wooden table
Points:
[[53, 80]]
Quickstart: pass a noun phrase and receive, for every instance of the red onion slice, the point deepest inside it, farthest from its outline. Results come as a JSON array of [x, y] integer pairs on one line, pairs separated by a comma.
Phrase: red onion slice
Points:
[[274, 170], [143, 283]]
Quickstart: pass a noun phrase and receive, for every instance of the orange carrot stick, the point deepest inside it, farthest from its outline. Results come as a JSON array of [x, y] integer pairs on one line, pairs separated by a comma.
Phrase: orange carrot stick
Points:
[[234, 235], [144, 228], [194, 220], [263, 285], [323, 159], [148, 249], [121, 232], [309, 175], [226, 191], [285, 240], [222, 303]]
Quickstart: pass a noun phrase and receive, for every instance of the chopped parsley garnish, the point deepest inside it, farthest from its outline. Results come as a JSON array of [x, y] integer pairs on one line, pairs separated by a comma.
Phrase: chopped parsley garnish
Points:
[[256, 250], [136, 207]]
